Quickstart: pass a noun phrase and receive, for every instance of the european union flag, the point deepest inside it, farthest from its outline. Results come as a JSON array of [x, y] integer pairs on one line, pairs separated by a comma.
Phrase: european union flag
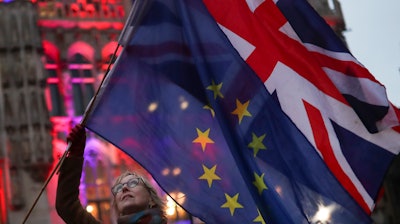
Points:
[[182, 102]]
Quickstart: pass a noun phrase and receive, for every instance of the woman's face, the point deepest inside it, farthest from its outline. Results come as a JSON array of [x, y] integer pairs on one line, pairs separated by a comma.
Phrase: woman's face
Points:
[[132, 199]]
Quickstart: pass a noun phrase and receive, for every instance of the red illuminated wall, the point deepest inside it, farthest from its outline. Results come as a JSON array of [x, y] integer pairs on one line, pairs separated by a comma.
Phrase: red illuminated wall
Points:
[[3, 205]]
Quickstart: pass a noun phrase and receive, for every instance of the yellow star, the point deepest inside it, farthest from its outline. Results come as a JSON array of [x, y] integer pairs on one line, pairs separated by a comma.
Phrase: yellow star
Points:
[[259, 183], [231, 203], [241, 110], [216, 89], [209, 175], [257, 143], [259, 218], [207, 107], [203, 138]]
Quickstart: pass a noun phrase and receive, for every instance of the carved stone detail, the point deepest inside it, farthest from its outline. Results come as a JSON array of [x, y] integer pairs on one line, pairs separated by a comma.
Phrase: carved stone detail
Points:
[[26, 123]]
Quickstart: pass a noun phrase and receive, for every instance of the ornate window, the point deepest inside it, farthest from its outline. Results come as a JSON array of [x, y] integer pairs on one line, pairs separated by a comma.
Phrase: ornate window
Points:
[[82, 80], [96, 182], [54, 97]]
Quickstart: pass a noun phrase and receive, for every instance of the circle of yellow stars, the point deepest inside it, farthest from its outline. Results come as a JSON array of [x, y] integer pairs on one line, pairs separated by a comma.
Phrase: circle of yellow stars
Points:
[[210, 173]]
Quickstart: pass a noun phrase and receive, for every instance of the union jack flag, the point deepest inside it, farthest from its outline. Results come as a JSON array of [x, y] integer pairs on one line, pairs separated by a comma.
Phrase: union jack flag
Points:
[[330, 96]]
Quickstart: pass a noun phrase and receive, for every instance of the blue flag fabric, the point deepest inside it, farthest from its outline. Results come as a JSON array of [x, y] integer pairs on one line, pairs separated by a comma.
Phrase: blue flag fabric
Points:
[[182, 102]]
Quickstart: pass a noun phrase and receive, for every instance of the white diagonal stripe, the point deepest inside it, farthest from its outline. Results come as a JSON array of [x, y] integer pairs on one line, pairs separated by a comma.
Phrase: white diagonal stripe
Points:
[[244, 47], [253, 4]]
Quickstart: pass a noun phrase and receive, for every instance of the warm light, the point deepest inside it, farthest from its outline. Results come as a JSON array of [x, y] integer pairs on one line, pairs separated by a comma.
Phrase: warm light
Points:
[[152, 107], [180, 197], [170, 202], [89, 208], [99, 181], [171, 206], [174, 200], [165, 172], [176, 171], [170, 211], [184, 103], [323, 214], [278, 190]]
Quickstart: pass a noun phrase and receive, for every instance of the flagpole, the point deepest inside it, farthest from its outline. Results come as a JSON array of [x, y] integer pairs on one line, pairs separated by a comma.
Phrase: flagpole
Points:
[[138, 10]]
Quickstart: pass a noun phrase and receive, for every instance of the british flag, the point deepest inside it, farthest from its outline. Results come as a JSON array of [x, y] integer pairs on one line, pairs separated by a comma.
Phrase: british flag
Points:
[[330, 96]]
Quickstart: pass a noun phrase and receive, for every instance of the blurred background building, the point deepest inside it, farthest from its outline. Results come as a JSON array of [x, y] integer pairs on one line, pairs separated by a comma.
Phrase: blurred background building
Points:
[[53, 56]]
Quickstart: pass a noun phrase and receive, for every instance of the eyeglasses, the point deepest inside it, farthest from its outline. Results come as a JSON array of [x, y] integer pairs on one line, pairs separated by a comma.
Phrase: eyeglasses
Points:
[[131, 184]]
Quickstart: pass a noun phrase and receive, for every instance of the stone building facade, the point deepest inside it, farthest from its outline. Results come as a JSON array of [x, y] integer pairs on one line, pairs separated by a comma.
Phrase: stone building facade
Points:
[[26, 149]]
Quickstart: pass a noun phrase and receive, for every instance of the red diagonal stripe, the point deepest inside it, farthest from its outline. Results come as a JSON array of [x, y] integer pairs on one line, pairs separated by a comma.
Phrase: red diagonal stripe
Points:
[[321, 138], [349, 68], [261, 29]]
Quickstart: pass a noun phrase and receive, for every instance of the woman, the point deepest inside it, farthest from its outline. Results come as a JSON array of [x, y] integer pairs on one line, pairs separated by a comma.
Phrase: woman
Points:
[[135, 201]]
